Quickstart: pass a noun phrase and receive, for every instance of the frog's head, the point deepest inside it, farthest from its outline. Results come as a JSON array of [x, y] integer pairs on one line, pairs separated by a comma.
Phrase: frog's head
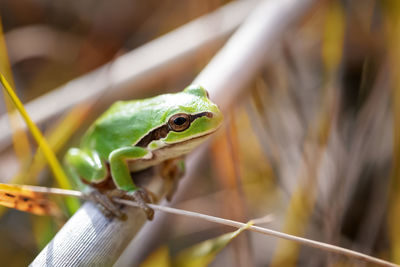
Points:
[[189, 119]]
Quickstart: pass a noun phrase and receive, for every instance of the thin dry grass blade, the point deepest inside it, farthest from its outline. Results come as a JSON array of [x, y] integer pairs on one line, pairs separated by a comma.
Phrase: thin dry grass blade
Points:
[[19, 137]]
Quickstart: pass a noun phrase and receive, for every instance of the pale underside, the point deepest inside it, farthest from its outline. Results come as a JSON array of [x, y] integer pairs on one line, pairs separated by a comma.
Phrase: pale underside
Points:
[[170, 151]]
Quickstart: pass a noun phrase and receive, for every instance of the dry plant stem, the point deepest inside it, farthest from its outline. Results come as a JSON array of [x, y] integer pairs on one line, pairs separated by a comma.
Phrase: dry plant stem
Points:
[[139, 67], [90, 239], [237, 63]]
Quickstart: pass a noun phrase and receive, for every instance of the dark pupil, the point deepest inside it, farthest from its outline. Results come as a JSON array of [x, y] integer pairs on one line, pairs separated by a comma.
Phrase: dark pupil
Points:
[[179, 120]]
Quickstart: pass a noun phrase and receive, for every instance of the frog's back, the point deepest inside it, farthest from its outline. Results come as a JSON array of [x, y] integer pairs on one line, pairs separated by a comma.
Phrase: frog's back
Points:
[[126, 122], [123, 124]]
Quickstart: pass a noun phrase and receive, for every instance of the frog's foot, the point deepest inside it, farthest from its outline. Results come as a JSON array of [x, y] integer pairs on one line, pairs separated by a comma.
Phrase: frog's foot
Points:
[[140, 196], [106, 205]]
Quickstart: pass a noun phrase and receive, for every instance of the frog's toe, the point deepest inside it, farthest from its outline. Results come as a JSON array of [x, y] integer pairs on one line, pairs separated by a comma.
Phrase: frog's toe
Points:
[[106, 205], [141, 197]]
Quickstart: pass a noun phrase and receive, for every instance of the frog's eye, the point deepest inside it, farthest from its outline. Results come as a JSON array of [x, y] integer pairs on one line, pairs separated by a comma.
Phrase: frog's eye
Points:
[[179, 122]]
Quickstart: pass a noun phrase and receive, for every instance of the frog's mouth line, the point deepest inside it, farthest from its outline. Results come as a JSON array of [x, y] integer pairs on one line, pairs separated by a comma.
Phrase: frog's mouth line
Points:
[[163, 130], [191, 139]]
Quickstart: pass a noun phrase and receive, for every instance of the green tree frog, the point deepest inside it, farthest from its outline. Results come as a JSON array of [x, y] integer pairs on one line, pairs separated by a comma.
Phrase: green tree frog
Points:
[[134, 135]]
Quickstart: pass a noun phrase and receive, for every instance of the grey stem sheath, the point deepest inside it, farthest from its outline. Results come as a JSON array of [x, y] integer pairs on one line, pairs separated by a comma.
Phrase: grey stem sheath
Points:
[[90, 239]]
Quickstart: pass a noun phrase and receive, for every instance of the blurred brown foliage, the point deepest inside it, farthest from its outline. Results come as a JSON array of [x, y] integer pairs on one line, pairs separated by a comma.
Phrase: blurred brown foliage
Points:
[[315, 140]]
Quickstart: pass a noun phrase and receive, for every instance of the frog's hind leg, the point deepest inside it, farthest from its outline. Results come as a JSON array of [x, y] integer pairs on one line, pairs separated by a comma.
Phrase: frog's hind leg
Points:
[[86, 165]]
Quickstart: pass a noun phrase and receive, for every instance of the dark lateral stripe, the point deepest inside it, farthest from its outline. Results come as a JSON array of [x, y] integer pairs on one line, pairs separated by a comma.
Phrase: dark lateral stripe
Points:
[[155, 134], [199, 115], [163, 130]]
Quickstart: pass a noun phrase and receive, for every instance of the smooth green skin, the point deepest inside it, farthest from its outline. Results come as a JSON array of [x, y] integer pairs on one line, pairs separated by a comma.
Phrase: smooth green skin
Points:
[[113, 136]]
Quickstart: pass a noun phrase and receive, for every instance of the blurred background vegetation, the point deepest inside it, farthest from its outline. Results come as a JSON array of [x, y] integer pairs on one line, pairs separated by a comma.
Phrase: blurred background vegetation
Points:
[[315, 140]]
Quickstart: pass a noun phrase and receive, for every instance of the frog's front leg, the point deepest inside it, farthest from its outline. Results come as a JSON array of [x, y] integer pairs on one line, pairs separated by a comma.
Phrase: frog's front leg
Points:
[[122, 177]]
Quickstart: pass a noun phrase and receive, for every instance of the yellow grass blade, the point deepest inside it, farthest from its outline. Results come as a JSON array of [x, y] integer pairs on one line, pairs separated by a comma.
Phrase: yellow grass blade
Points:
[[332, 47], [158, 258], [57, 137], [202, 254], [392, 26], [48, 153], [44, 229], [20, 138]]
